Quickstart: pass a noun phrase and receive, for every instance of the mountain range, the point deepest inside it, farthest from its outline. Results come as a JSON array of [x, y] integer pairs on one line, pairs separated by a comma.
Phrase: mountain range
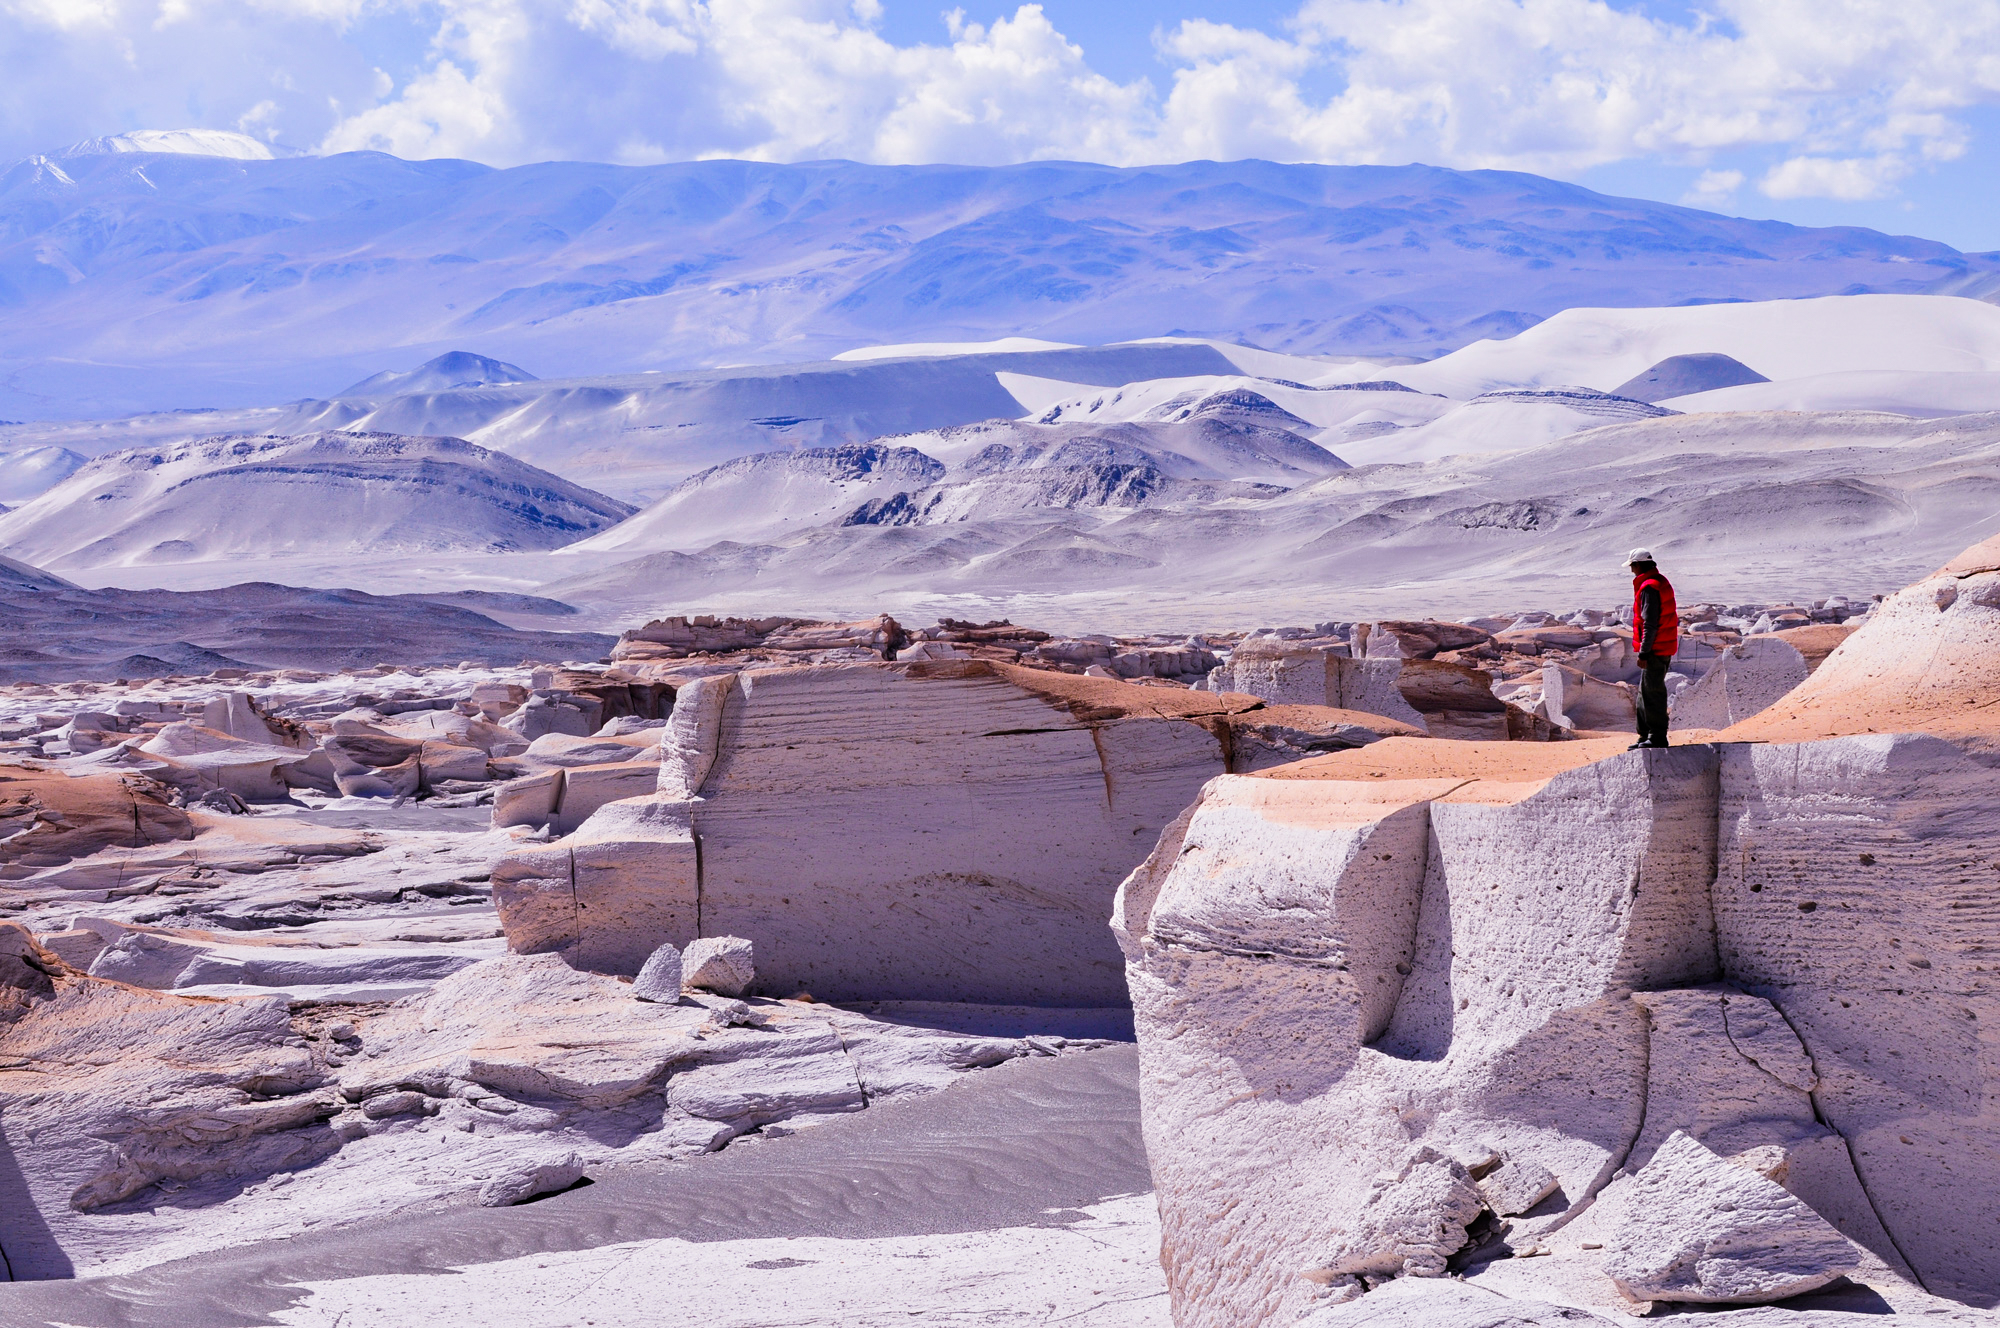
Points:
[[136, 279]]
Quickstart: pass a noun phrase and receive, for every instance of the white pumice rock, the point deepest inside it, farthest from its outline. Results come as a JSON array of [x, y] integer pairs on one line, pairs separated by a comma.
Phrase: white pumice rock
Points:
[[563, 750], [1728, 996], [608, 896], [1693, 1227], [1746, 680], [1327, 972], [527, 1180], [149, 1125], [1284, 674], [724, 965], [1853, 885], [1515, 1187], [659, 977], [1411, 1222], [954, 829]]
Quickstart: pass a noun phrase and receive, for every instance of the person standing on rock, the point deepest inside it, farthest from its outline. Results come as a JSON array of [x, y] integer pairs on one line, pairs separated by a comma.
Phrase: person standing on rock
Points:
[[1656, 635]]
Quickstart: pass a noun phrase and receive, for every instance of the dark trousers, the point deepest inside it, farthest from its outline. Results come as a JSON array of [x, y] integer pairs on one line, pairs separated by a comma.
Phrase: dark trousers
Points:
[[1653, 697]]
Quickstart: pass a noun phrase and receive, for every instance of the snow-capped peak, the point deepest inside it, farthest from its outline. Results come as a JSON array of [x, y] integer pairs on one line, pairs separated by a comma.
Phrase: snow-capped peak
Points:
[[187, 142]]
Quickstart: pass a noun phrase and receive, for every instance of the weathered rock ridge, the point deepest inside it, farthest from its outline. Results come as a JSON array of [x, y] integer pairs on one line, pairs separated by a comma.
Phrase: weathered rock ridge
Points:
[[1378, 990], [954, 829]]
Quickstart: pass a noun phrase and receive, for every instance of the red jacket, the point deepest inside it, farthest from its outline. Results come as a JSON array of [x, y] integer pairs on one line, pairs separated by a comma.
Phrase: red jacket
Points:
[[1667, 636]]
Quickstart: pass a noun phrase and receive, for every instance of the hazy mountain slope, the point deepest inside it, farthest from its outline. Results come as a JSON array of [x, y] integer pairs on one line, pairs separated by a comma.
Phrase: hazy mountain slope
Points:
[[1736, 505], [28, 471], [19, 576], [770, 495], [141, 280], [445, 373], [639, 434], [1684, 375], [974, 472], [371, 494], [1504, 421]]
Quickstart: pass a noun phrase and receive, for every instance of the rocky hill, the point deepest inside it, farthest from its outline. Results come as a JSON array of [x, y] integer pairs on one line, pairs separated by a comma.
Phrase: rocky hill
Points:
[[366, 494]]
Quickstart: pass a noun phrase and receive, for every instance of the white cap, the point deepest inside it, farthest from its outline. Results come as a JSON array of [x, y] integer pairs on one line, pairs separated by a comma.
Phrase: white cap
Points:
[[1639, 556]]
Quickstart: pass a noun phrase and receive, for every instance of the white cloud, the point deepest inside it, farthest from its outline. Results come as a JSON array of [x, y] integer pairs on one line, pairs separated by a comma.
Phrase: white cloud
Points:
[[1847, 178], [1848, 95], [1714, 189]]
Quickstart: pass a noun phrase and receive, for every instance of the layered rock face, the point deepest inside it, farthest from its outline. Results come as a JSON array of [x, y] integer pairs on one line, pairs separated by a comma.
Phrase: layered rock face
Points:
[[1727, 999], [953, 829]]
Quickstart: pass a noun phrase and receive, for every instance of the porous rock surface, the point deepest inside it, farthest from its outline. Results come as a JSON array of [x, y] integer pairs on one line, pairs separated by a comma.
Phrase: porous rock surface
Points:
[[953, 829], [1744, 681], [1766, 954], [1696, 1228]]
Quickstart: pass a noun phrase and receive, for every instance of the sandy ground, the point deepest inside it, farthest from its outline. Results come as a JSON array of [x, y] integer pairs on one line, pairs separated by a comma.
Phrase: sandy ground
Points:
[[981, 1204]]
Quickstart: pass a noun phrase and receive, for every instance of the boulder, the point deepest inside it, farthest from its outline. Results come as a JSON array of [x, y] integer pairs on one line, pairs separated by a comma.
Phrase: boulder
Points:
[[1692, 1227], [1415, 640], [1455, 700], [560, 749], [1412, 1221], [1746, 679], [672, 638], [1286, 674], [238, 715], [196, 760], [443, 761], [659, 977], [526, 1180], [545, 713], [609, 895], [721, 964], [1516, 1186], [1339, 960]]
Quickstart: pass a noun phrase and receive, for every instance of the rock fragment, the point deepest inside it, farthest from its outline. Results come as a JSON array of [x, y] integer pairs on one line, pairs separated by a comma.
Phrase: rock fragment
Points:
[[721, 964], [1412, 1221], [520, 1184], [660, 976], [1697, 1228], [1517, 1185]]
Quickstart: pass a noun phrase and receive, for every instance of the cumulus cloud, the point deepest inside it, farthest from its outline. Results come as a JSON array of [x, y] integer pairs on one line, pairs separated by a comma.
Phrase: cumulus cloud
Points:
[[1847, 178], [1714, 189], [1846, 96]]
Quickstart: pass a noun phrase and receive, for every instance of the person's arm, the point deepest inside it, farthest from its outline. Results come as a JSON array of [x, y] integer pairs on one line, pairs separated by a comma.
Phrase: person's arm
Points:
[[1649, 619]]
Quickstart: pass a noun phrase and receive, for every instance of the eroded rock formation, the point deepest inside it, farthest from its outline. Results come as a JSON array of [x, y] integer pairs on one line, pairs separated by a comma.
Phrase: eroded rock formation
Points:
[[952, 829], [1371, 983]]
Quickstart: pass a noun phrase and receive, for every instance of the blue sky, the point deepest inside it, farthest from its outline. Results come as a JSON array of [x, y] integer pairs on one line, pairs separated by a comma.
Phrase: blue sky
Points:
[[1881, 113]]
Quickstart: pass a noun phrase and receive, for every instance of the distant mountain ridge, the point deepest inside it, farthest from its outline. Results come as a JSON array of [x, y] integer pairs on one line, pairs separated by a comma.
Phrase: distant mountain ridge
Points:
[[142, 279], [341, 493]]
